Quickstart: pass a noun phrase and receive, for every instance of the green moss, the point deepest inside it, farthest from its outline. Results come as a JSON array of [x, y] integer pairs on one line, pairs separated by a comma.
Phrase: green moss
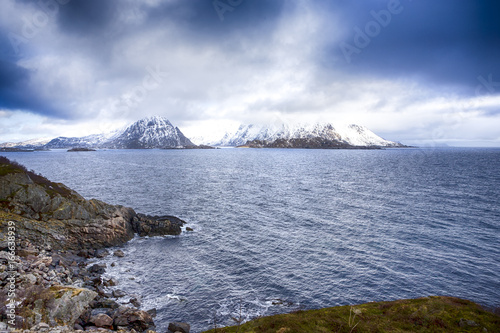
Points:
[[429, 314], [6, 169]]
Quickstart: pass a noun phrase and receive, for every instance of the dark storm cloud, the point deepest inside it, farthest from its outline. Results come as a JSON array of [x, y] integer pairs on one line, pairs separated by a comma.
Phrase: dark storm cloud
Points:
[[87, 17], [216, 19], [445, 43], [16, 91], [200, 20]]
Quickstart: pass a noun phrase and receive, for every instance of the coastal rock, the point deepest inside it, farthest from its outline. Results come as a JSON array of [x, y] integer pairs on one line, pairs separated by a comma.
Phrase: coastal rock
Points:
[[111, 282], [56, 231], [66, 304], [55, 217], [119, 253], [152, 312], [135, 302], [145, 225], [179, 327], [132, 318], [119, 293], [97, 268], [102, 320], [101, 253]]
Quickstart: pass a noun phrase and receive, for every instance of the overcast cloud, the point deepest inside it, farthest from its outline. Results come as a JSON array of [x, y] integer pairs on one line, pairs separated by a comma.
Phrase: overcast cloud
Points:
[[418, 71]]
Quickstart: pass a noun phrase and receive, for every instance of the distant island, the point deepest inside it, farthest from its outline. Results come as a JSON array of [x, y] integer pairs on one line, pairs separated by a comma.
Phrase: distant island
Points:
[[306, 143], [80, 149]]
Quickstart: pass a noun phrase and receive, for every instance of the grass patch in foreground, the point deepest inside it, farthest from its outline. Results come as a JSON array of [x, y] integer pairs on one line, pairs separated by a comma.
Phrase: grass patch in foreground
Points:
[[428, 314]]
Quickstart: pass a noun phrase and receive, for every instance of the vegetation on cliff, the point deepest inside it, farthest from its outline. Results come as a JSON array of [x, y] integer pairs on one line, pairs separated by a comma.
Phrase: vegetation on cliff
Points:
[[428, 314]]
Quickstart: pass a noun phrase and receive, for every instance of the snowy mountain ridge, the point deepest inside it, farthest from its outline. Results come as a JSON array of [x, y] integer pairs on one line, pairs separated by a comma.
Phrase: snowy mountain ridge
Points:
[[150, 132], [353, 135]]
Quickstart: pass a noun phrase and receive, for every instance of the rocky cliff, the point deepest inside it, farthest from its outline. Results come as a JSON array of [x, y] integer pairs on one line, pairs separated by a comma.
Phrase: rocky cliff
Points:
[[52, 214], [47, 231]]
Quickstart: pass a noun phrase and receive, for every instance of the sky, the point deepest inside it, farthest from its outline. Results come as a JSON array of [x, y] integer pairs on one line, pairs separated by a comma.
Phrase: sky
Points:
[[422, 72]]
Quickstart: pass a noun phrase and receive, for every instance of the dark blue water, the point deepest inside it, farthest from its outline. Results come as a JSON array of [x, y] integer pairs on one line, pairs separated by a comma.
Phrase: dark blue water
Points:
[[277, 230]]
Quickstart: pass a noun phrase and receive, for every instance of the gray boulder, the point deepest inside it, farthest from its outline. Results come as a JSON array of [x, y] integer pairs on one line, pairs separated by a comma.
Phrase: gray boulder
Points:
[[132, 318], [179, 327]]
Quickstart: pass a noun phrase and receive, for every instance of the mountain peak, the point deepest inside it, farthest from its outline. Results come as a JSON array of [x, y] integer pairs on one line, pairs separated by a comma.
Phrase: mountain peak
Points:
[[350, 135], [149, 132]]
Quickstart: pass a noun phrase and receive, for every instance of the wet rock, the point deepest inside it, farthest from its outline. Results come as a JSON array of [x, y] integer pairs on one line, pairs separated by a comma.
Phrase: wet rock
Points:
[[119, 253], [97, 268], [189, 229], [152, 312], [105, 303], [119, 293], [101, 253], [145, 225], [179, 327], [101, 320], [111, 282], [135, 302], [132, 318]]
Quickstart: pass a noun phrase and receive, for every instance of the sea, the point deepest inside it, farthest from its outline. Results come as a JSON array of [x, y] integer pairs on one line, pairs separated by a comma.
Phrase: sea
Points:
[[281, 230]]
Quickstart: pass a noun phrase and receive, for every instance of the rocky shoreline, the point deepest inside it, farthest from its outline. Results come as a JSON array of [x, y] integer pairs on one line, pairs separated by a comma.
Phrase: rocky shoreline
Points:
[[48, 233]]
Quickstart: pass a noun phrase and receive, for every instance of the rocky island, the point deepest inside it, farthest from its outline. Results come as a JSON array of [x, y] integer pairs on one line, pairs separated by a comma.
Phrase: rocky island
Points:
[[304, 143], [80, 149], [47, 231]]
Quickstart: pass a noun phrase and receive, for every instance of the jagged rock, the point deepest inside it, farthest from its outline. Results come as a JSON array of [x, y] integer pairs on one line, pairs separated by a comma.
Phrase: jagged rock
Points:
[[146, 225], [135, 302], [179, 327], [119, 293], [66, 304], [102, 320], [97, 268], [132, 318], [111, 282], [152, 312], [104, 303], [56, 217], [119, 253], [101, 253], [41, 327]]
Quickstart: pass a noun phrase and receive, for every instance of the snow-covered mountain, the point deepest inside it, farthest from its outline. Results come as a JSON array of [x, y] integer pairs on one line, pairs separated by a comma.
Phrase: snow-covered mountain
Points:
[[150, 132], [350, 135], [33, 143]]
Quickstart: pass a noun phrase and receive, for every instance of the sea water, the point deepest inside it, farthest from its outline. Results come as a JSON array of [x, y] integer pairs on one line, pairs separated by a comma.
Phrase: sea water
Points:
[[276, 230]]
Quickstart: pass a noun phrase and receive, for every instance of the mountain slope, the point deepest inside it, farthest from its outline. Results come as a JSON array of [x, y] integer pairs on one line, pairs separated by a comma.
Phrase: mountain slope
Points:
[[151, 132], [319, 135]]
